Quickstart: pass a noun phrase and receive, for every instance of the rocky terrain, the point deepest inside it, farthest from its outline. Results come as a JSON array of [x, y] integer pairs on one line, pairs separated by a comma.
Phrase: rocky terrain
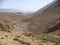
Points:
[[39, 28], [46, 21]]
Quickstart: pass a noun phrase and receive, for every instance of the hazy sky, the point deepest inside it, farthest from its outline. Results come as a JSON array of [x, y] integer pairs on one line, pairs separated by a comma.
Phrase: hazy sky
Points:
[[26, 5]]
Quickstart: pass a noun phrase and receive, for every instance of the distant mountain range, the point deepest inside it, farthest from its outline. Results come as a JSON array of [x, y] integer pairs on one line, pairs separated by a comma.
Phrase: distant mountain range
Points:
[[11, 10]]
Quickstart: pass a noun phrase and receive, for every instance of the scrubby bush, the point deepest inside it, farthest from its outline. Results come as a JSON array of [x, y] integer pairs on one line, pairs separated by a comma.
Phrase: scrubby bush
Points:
[[21, 41]]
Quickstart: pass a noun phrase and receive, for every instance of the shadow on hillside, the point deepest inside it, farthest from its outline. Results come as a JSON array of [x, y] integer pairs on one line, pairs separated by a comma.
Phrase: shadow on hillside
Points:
[[54, 28]]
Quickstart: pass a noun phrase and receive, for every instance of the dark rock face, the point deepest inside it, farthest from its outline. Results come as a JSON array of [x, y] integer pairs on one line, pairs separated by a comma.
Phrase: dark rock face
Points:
[[46, 20]]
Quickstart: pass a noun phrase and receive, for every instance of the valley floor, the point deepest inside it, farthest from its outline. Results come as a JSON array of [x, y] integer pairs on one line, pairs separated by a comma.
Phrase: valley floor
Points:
[[18, 36]]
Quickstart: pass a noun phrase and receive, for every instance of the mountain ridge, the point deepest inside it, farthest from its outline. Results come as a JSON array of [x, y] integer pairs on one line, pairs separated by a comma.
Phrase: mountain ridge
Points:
[[41, 22]]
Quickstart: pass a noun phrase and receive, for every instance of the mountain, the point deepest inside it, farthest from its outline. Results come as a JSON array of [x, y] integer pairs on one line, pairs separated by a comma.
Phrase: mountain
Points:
[[10, 10], [46, 19], [14, 27]]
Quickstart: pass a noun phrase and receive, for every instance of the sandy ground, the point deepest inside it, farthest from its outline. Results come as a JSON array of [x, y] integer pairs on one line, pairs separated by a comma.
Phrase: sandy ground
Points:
[[7, 38]]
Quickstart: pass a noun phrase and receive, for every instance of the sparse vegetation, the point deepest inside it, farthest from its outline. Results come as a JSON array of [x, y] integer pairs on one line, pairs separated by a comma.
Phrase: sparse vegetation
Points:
[[44, 38], [21, 41], [6, 36], [2, 38], [16, 39], [28, 34], [18, 36], [9, 31], [59, 34], [40, 29], [58, 42]]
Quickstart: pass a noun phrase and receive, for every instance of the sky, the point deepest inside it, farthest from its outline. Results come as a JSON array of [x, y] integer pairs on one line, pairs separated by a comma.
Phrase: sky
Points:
[[24, 5]]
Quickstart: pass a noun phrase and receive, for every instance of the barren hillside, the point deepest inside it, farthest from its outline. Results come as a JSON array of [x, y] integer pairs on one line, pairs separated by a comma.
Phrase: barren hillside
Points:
[[39, 28], [9, 24], [46, 21]]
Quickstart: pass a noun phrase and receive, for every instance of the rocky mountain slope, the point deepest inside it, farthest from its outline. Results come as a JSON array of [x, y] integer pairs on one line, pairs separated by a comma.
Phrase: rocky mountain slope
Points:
[[41, 28], [11, 32], [46, 21]]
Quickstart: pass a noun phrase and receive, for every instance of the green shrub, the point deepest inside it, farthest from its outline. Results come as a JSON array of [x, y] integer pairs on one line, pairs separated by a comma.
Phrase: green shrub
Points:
[[16, 39], [21, 41], [44, 39], [18, 36]]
